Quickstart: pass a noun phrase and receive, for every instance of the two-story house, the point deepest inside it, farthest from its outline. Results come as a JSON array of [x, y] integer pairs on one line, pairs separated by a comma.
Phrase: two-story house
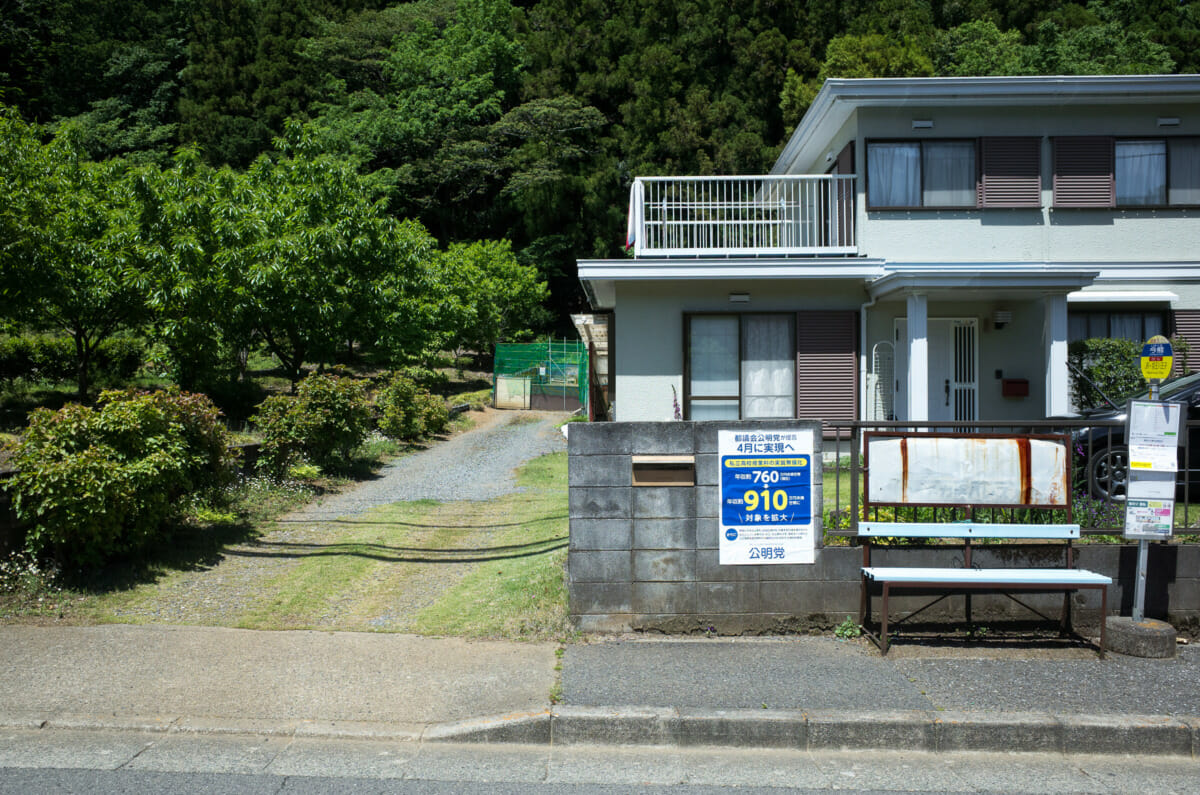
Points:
[[924, 248]]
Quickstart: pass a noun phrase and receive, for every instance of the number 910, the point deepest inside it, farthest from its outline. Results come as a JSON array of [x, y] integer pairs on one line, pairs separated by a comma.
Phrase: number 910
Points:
[[767, 499]]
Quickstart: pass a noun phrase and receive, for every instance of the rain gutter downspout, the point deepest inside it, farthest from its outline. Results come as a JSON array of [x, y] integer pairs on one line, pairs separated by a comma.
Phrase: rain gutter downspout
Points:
[[862, 357]]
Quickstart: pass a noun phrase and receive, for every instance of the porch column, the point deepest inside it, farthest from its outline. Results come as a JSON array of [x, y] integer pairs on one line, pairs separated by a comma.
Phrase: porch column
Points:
[[1058, 385], [918, 358]]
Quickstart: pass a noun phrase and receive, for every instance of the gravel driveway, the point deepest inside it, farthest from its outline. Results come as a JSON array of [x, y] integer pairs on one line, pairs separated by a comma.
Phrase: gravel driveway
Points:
[[475, 465]]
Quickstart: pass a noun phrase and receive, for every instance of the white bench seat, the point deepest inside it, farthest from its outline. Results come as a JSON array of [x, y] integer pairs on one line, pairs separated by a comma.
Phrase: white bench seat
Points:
[[1066, 578], [967, 578]]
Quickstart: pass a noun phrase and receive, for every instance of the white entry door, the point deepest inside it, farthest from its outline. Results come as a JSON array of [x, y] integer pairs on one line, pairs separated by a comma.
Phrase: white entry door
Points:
[[953, 369]]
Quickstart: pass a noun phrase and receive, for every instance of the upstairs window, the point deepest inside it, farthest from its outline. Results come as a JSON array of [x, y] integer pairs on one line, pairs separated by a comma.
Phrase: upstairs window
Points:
[[1140, 172], [921, 174], [1098, 171], [988, 172]]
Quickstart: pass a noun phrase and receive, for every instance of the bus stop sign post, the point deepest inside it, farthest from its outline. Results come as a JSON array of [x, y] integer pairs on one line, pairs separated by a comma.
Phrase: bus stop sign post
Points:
[[1153, 432]]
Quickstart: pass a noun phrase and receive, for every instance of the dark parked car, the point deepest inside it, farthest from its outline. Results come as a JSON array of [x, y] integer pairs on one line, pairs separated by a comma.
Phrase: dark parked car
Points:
[[1102, 449]]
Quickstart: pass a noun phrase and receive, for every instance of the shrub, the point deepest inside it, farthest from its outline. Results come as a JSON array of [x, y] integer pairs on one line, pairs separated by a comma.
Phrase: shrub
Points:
[[327, 419], [396, 403], [92, 483], [406, 411], [46, 357], [434, 412], [1110, 367]]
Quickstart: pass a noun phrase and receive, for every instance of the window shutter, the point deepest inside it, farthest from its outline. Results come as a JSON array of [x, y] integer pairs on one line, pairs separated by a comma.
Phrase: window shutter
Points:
[[1187, 326], [1083, 172], [827, 365], [1011, 172]]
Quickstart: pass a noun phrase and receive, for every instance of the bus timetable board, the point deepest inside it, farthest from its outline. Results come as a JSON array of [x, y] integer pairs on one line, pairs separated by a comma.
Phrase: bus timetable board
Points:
[[767, 481]]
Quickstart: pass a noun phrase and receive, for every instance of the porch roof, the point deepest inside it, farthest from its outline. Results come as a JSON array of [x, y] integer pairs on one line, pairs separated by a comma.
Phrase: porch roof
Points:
[[1006, 280], [599, 276]]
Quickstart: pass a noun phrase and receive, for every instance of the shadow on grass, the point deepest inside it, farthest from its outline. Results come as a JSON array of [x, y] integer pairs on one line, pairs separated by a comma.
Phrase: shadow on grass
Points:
[[390, 554], [369, 523], [184, 547]]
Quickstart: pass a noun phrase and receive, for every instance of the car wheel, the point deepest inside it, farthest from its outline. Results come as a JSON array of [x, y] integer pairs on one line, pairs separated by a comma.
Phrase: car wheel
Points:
[[1108, 474]]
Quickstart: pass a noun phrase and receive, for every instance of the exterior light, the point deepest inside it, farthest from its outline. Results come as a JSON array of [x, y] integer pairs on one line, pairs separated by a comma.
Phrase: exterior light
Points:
[[922, 124], [1001, 318], [1168, 121], [739, 298]]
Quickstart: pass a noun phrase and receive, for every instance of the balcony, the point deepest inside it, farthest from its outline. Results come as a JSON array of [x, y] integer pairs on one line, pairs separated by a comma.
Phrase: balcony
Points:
[[742, 216]]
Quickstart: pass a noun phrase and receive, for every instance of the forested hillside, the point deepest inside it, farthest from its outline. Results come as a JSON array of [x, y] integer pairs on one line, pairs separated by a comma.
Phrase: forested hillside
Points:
[[518, 119]]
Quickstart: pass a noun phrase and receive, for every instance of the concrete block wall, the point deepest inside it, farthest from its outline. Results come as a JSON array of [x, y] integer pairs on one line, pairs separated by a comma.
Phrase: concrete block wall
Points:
[[646, 558]]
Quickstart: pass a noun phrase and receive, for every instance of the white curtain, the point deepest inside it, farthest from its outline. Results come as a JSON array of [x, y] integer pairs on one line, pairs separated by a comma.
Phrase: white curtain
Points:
[[1185, 170], [1077, 327], [894, 175], [1127, 325], [768, 367], [1141, 172], [713, 364], [949, 168]]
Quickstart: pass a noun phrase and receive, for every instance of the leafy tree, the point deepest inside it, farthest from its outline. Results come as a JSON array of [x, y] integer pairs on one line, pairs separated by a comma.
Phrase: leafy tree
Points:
[[979, 48], [1096, 49], [491, 296], [875, 55], [216, 107], [138, 118], [869, 55], [447, 80], [68, 253], [25, 33], [324, 264], [281, 83], [22, 160], [190, 228]]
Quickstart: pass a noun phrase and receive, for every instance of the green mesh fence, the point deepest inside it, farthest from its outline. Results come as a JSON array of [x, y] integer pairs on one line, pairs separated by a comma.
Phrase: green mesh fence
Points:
[[541, 375]]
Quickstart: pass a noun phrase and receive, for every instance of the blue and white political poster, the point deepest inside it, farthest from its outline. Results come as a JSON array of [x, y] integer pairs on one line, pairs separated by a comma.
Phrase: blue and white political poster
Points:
[[767, 481]]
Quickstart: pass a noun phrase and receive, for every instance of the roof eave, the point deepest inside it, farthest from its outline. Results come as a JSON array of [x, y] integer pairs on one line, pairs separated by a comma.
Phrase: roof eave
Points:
[[840, 97]]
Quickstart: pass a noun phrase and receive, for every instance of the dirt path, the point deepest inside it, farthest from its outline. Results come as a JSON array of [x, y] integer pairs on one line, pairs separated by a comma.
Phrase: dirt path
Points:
[[364, 532]]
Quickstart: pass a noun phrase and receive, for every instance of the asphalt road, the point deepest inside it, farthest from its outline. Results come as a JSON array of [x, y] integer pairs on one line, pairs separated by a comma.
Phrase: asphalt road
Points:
[[47, 760]]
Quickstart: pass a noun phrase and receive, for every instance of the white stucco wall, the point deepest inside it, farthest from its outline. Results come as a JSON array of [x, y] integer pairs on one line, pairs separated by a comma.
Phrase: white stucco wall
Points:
[[647, 344], [1015, 350], [1046, 234]]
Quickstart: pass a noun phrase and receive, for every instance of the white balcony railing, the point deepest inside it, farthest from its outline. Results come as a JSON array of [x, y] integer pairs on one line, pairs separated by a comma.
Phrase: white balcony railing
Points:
[[742, 216]]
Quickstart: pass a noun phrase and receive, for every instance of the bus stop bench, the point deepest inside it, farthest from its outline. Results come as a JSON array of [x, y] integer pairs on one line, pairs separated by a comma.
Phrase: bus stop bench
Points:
[[969, 579]]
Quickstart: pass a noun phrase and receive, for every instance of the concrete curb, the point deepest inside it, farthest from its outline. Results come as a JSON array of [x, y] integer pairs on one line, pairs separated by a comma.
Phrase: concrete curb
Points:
[[930, 731], [1153, 735]]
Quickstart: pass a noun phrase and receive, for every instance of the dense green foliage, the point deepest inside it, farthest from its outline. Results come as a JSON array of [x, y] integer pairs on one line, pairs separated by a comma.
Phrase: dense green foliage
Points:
[[323, 423], [45, 357], [407, 411], [92, 483], [518, 120], [1110, 371], [297, 253]]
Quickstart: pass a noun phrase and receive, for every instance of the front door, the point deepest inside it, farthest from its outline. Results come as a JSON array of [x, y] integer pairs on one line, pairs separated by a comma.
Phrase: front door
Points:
[[953, 369]]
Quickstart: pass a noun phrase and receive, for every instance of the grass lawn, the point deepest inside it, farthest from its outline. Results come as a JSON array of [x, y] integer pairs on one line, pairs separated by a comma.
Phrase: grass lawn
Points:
[[490, 569]]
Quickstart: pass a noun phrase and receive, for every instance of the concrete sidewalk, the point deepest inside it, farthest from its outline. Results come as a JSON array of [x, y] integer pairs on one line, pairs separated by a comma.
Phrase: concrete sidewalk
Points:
[[235, 680], [795, 692]]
